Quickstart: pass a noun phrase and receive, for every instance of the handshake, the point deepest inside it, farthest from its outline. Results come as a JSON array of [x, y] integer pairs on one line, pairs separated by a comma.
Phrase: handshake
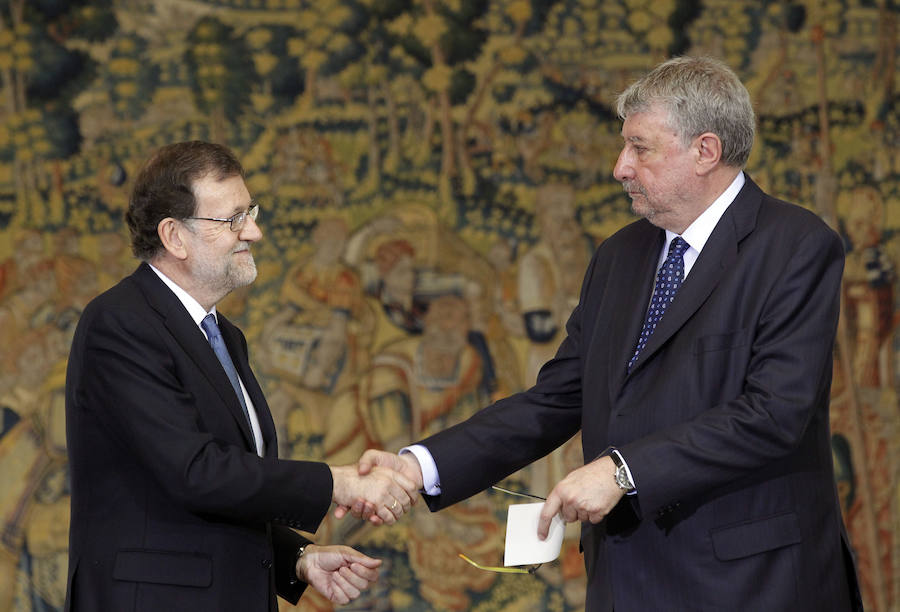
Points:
[[380, 488]]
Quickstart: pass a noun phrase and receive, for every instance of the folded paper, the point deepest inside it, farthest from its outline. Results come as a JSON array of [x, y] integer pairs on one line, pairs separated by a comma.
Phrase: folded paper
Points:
[[522, 544]]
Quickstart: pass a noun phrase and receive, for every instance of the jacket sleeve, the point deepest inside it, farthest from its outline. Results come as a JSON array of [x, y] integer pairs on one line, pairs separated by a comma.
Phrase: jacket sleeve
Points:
[[287, 543], [518, 430]]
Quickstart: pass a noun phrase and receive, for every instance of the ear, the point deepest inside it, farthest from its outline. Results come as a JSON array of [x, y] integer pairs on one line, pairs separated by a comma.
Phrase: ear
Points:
[[708, 148], [171, 234]]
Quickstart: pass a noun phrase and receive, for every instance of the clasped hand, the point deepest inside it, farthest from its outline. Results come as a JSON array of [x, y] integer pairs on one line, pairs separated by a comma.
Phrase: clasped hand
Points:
[[404, 469], [379, 494]]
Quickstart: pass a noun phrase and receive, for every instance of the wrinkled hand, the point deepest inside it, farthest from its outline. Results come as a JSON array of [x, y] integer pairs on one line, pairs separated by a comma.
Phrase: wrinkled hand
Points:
[[337, 572], [586, 494], [385, 492], [406, 465]]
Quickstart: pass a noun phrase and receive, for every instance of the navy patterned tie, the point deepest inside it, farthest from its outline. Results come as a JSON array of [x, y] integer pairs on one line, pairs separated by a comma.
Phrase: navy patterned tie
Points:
[[211, 328], [668, 280]]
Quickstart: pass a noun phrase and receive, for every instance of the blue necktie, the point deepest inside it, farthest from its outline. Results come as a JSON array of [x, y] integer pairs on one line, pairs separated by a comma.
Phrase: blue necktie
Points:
[[211, 328], [668, 280]]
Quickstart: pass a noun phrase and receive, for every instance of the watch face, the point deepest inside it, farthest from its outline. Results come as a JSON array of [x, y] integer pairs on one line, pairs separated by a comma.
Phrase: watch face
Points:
[[622, 479]]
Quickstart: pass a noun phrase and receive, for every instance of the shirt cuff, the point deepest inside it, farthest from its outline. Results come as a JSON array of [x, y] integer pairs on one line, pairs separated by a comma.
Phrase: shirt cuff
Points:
[[430, 478], [627, 471]]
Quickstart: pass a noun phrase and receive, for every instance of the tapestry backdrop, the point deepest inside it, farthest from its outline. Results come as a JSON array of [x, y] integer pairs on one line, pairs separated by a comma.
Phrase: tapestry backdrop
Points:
[[433, 176]]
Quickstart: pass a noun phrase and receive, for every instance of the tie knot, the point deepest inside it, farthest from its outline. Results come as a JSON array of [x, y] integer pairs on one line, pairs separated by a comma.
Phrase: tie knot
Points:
[[210, 326], [678, 246]]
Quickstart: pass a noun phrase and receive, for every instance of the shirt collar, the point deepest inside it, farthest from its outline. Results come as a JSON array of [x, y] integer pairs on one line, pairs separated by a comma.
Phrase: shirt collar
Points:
[[195, 310], [702, 228]]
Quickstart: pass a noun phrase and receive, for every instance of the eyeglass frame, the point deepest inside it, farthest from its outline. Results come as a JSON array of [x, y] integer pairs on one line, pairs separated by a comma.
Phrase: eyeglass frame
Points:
[[238, 218]]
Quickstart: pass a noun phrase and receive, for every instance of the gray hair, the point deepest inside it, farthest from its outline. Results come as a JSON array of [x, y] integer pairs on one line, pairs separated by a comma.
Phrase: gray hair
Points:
[[701, 94]]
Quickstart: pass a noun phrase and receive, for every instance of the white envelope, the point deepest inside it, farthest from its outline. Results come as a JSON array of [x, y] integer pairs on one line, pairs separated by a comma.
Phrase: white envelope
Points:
[[522, 544]]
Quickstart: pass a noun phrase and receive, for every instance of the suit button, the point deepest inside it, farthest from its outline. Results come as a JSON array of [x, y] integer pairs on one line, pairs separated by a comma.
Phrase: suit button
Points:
[[267, 564]]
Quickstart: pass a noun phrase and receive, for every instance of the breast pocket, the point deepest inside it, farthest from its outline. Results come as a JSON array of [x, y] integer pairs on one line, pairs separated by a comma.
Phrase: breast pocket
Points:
[[721, 342]]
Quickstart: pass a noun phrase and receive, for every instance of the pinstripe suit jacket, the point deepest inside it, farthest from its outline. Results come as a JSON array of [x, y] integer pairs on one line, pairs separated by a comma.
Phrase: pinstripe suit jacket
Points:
[[723, 420]]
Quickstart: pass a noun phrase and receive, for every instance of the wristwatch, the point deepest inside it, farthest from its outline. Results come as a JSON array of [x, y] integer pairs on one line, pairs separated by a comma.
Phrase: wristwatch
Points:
[[622, 479]]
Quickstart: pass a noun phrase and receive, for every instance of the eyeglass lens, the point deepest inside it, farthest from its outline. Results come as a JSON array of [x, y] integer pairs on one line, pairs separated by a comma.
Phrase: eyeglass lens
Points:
[[237, 221]]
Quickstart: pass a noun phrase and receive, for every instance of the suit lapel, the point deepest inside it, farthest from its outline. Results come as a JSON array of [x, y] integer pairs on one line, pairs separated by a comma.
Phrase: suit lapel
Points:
[[194, 343], [235, 345], [634, 279], [718, 256]]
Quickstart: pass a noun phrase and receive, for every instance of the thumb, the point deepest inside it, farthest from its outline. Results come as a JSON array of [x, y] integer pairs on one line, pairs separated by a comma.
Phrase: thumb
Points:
[[372, 458], [357, 557], [367, 462]]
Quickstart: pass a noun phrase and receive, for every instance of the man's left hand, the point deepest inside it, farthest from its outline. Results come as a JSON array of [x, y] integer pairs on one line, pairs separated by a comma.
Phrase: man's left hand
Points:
[[337, 572], [586, 494]]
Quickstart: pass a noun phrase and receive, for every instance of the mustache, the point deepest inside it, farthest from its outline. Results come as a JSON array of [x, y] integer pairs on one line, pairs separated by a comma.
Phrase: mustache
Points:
[[633, 186]]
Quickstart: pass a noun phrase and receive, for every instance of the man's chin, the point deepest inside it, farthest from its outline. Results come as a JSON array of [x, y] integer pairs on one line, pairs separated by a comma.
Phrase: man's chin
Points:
[[640, 208], [245, 275]]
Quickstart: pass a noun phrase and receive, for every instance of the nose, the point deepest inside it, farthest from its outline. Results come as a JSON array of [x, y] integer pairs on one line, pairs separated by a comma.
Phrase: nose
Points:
[[623, 171], [251, 231]]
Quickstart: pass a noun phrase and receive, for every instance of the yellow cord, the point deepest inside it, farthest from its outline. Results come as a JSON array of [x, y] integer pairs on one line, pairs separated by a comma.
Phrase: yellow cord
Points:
[[504, 570]]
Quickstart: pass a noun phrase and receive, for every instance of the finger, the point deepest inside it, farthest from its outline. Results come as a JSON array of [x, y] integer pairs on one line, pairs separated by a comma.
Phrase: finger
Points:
[[365, 508], [391, 482], [376, 520], [345, 584], [396, 509], [403, 505], [550, 509], [386, 515], [362, 509], [395, 498], [366, 567], [569, 513], [341, 511], [367, 561], [357, 508], [354, 557], [410, 490], [596, 517], [357, 580], [337, 594], [407, 490]]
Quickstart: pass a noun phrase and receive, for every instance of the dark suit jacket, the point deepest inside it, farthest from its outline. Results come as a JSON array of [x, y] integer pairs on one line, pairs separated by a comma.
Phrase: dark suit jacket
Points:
[[171, 507], [723, 420]]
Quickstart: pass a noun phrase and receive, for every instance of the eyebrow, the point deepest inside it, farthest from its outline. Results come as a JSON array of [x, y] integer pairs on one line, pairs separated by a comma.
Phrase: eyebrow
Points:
[[239, 209]]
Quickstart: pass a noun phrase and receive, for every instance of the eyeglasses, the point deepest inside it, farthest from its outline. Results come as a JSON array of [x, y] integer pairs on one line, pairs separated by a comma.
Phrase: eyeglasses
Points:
[[506, 570], [236, 221]]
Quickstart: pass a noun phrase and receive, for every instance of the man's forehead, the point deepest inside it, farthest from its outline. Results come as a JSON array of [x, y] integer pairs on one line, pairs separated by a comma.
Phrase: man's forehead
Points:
[[646, 125], [229, 192]]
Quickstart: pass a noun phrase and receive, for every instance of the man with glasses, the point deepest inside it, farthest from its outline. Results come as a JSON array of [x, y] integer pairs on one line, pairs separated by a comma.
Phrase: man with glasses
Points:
[[179, 501]]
